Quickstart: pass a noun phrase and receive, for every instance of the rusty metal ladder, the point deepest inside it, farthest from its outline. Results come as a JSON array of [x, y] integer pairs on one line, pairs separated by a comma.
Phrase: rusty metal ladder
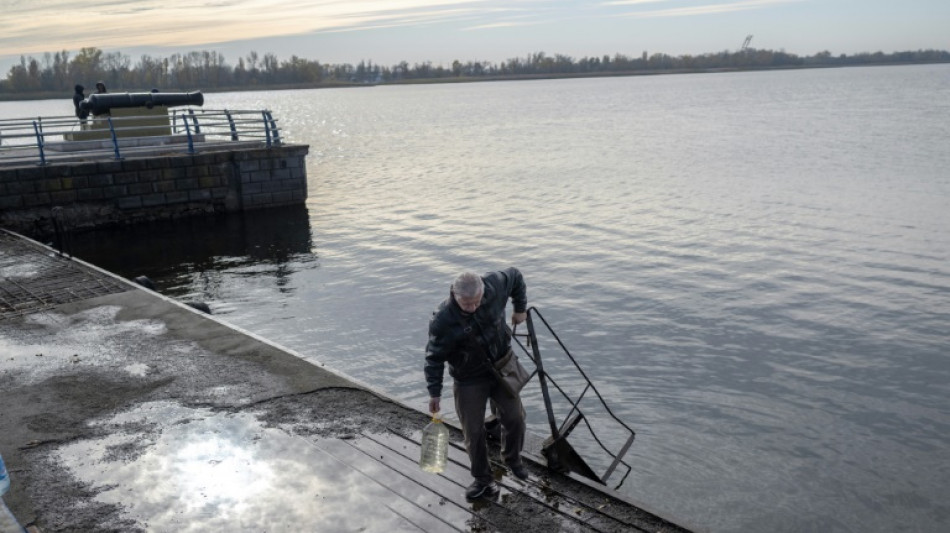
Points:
[[556, 449]]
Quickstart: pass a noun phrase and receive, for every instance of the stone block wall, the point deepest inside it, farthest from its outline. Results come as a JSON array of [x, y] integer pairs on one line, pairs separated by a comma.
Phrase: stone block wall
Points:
[[91, 194]]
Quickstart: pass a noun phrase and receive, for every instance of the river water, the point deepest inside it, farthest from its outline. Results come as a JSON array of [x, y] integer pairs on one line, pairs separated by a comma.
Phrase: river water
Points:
[[753, 268]]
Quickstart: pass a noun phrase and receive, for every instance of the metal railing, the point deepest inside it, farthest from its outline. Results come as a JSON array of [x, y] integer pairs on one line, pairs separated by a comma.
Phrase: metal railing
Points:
[[42, 140], [560, 454]]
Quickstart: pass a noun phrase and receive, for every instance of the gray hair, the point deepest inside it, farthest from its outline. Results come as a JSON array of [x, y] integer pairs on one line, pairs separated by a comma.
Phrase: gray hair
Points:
[[468, 285]]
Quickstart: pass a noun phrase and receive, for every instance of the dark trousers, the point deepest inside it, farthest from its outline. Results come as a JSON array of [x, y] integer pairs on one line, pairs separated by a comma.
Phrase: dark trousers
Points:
[[470, 404]]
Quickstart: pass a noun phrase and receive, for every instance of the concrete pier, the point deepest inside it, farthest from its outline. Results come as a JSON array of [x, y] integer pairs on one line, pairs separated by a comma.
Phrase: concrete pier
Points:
[[124, 410], [151, 182]]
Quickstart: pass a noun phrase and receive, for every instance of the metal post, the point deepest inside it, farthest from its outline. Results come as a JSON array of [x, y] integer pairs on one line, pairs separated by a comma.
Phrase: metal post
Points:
[[191, 143], [61, 231], [194, 120], [542, 377], [273, 126], [234, 135], [39, 142], [266, 127], [115, 139]]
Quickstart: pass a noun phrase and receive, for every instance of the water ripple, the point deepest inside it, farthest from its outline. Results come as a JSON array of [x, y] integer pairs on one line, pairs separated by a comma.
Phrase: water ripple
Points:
[[751, 266]]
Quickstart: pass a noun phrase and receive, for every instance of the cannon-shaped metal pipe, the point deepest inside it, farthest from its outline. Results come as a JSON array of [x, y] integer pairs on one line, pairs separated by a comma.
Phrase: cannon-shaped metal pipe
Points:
[[102, 103]]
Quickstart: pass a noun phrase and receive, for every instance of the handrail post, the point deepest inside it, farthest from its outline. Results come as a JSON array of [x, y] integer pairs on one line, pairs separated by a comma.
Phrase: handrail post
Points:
[[266, 127], [115, 139], [194, 121], [39, 142], [542, 379], [191, 143], [234, 135], [273, 126]]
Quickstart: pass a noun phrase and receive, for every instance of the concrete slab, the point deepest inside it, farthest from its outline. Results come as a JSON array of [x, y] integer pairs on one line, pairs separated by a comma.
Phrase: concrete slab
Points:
[[128, 411]]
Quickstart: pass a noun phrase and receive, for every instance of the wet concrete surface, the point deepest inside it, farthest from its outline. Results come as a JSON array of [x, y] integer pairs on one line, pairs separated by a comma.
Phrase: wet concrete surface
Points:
[[131, 412]]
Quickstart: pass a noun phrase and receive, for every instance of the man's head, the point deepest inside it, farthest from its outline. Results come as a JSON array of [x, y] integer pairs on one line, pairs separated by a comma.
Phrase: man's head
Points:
[[468, 289]]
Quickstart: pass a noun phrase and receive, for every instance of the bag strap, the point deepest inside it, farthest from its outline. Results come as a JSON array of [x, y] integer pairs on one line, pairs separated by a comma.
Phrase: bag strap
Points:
[[477, 340]]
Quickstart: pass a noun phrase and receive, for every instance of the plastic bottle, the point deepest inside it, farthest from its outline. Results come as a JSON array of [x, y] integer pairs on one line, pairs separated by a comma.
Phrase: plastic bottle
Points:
[[435, 445], [8, 522], [4, 478]]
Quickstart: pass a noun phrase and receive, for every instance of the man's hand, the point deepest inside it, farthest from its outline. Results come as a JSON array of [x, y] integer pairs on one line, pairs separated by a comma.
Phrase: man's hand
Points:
[[434, 404], [517, 318]]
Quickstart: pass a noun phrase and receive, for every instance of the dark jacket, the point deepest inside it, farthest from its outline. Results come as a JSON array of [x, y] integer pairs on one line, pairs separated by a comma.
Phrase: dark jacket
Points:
[[78, 97], [463, 340]]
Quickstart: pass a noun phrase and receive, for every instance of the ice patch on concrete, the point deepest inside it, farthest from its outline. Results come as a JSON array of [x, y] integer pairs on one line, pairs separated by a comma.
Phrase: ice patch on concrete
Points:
[[213, 471], [19, 266], [24, 270], [47, 342], [137, 369]]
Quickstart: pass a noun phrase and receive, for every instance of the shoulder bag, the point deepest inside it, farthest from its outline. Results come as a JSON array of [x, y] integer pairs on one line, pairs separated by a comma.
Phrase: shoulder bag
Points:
[[509, 372], [511, 375]]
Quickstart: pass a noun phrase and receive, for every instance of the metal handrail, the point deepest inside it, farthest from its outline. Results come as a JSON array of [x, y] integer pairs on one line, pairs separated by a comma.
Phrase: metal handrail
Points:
[[40, 140], [561, 430]]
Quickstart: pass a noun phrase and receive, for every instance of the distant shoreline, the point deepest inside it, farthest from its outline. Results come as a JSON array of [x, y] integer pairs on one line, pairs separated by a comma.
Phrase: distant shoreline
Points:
[[46, 95]]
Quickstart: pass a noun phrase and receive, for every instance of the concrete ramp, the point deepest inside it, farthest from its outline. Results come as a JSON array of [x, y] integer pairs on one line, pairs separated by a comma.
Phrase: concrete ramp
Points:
[[124, 410]]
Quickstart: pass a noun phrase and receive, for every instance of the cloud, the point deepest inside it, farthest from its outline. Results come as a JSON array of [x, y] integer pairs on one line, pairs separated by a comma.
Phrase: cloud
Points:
[[31, 27], [508, 17], [709, 9], [632, 2], [49, 25], [493, 25]]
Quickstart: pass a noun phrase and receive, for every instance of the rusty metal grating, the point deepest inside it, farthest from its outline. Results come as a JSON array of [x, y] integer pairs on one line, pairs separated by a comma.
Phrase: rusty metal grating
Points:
[[33, 278]]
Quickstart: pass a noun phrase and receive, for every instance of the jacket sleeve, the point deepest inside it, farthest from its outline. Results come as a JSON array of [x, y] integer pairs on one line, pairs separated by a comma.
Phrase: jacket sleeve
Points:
[[436, 354], [516, 289]]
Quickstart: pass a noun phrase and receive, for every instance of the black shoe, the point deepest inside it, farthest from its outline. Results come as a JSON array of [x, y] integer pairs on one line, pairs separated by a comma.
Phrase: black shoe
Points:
[[480, 489], [518, 470]]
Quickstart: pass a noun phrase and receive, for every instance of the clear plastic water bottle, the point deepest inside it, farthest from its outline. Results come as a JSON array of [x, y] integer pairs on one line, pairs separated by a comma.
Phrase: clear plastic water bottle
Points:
[[8, 522], [4, 478], [435, 445]]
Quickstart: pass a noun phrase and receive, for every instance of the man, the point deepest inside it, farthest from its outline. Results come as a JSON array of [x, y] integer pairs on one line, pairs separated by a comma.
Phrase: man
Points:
[[468, 332], [101, 89], [78, 97]]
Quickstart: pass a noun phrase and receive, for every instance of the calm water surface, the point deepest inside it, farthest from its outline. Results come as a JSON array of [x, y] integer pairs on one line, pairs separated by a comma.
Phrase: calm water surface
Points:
[[753, 267]]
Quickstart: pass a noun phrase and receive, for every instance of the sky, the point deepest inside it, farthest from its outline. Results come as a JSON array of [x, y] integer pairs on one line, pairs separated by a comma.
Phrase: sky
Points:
[[389, 31]]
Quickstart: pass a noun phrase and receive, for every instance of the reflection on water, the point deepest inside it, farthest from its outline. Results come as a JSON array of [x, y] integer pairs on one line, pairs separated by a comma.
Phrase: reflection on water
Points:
[[185, 258]]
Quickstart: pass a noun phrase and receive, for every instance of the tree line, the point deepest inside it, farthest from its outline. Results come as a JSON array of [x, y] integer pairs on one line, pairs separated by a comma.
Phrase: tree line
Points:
[[60, 71]]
